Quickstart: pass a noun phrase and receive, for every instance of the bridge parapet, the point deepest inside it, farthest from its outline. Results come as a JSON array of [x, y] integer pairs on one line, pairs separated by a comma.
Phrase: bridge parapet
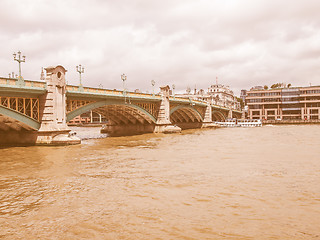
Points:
[[11, 82], [11, 87], [187, 100], [75, 90]]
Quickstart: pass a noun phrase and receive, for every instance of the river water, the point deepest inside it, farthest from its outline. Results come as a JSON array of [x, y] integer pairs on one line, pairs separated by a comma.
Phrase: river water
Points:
[[242, 183]]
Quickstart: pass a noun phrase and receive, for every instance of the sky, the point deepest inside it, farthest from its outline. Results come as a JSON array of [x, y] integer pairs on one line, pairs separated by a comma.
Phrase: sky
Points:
[[188, 43]]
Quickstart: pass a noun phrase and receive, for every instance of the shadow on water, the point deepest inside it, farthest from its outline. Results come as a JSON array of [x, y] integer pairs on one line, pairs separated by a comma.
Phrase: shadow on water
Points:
[[11, 145]]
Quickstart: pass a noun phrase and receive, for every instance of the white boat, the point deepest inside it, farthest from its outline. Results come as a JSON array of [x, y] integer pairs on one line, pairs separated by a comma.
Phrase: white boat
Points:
[[240, 123]]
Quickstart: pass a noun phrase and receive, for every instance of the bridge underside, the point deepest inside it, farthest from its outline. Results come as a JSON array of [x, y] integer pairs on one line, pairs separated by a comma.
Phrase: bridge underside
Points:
[[14, 132], [186, 118], [124, 120], [137, 118], [130, 118], [9, 124], [218, 116], [124, 114]]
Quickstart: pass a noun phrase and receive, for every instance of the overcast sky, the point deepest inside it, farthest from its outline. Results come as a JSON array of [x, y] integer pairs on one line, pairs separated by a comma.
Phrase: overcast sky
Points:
[[183, 42]]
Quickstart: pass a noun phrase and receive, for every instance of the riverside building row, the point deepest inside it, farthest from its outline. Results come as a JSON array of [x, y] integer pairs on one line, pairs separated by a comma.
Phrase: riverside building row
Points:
[[294, 103], [217, 94]]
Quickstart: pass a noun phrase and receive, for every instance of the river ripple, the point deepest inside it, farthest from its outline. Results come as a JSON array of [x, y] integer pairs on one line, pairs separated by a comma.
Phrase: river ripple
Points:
[[244, 183]]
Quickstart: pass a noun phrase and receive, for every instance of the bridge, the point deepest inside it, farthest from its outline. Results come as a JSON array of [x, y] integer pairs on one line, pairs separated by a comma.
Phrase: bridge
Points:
[[37, 112]]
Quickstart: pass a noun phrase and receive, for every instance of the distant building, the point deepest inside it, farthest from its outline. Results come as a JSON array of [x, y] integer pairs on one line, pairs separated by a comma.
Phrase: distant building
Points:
[[217, 94], [243, 95], [284, 103], [223, 96]]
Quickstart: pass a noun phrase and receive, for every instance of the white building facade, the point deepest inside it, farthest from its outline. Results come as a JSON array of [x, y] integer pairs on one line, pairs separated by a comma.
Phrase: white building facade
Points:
[[217, 94]]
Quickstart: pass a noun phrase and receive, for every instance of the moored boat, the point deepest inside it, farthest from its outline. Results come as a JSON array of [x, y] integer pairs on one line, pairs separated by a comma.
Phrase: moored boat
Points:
[[240, 123]]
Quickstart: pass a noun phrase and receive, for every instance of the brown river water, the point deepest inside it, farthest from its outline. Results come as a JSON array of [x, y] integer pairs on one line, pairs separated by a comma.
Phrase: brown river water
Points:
[[242, 183]]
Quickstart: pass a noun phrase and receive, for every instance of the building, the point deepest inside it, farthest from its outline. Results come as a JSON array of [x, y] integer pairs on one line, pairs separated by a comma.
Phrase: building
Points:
[[223, 96], [257, 88], [294, 103], [243, 95], [217, 94]]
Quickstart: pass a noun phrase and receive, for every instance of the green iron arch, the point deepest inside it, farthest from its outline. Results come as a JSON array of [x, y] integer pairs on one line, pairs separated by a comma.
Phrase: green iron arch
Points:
[[188, 107], [94, 105], [24, 119]]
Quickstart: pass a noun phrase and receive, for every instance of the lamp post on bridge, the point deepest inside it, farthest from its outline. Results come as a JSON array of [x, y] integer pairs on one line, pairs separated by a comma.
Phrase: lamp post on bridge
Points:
[[80, 70], [124, 78], [173, 88], [12, 75], [153, 82], [19, 60]]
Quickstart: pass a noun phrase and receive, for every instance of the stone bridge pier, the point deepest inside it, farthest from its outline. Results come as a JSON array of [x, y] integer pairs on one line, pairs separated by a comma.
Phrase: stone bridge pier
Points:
[[163, 121], [53, 129], [161, 125]]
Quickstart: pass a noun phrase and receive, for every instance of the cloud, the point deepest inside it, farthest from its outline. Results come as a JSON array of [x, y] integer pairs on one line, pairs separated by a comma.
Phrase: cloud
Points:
[[186, 43]]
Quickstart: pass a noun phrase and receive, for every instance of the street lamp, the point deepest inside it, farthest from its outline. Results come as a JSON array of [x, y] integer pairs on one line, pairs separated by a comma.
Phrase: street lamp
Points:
[[188, 90], [12, 75], [173, 88], [19, 60], [153, 82], [80, 70], [123, 78]]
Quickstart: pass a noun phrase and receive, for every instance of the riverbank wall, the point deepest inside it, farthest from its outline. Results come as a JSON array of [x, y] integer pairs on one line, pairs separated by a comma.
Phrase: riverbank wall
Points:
[[292, 121]]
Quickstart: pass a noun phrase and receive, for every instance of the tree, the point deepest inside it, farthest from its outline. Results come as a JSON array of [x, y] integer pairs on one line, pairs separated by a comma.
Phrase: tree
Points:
[[289, 85], [241, 102], [265, 87], [275, 85]]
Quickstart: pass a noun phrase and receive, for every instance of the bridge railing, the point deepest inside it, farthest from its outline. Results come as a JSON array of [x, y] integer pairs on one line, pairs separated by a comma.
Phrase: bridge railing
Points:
[[72, 88], [187, 100], [27, 83], [115, 92], [145, 95]]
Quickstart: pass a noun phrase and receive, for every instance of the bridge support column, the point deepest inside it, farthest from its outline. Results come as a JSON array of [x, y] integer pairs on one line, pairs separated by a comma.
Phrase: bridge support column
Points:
[[230, 114], [54, 129], [207, 121], [164, 124]]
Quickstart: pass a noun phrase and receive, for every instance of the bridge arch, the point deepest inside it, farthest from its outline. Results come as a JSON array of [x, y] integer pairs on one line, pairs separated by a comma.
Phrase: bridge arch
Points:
[[183, 113], [19, 118], [218, 116], [140, 114]]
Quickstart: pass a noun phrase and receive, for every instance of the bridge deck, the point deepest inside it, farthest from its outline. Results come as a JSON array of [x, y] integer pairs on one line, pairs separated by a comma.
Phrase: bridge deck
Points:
[[11, 87]]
